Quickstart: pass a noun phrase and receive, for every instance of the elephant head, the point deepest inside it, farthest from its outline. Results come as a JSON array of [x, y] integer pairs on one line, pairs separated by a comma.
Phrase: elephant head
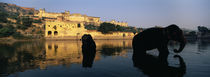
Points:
[[176, 34]]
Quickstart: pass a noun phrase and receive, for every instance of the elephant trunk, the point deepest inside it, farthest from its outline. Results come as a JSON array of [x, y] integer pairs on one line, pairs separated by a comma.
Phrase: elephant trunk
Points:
[[182, 45]]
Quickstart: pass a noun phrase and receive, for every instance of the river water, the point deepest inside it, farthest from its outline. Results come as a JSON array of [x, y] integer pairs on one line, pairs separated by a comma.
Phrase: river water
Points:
[[113, 58]]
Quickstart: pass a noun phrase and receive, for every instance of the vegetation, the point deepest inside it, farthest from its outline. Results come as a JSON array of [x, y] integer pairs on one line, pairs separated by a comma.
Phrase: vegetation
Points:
[[3, 17], [15, 22], [203, 30], [25, 22], [17, 35], [7, 31], [91, 27], [37, 21], [108, 28]]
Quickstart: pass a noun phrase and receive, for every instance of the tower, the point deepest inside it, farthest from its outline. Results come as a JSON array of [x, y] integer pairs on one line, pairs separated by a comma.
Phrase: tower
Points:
[[42, 10]]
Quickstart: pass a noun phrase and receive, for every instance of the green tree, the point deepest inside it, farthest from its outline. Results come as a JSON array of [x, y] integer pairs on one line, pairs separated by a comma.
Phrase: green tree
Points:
[[120, 28], [37, 21], [7, 31], [192, 33], [91, 27], [22, 27], [107, 28], [203, 30], [17, 35], [26, 21]]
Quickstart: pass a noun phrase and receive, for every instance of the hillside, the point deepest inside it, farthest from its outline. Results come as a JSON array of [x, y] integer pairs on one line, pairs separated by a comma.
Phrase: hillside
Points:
[[18, 22], [13, 9]]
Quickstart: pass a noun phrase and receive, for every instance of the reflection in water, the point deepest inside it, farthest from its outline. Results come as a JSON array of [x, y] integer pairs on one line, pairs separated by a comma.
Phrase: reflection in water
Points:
[[115, 48], [203, 45], [112, 59], [158, 67], [18, 58], [21, 56], [88, 56], [88, 50]]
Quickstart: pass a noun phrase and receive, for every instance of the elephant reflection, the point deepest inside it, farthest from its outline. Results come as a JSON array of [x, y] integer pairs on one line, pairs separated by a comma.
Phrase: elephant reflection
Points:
[[158, 38], [88, 50], [158, 66]]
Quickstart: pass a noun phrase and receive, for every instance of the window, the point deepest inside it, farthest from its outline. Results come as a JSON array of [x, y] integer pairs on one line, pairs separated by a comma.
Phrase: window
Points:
[[124, 35], [49, 32], [78, 25], [55, 27], [56, 33], [49, 47]]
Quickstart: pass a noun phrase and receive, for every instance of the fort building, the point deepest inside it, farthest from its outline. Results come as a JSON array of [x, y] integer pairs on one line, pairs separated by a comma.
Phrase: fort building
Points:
[[77, 17], [70, 17], [75, 30], [72, 26], [125, 24]]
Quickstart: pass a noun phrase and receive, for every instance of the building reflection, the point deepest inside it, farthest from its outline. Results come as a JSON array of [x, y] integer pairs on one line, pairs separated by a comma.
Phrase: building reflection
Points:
[[21, 56], [70, 52]]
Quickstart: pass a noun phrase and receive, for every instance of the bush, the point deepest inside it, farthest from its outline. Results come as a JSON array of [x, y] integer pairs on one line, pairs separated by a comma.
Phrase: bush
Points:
[[37, 21], [91, 27], [106, 27], [17, 35], [3, 17], [39, 32], [7, 31], [24, 22], [22, 27], [120, 28]]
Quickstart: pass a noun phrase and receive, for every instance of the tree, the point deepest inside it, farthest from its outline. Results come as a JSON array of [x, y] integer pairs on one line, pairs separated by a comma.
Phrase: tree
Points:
[[7, 31], [107, 28], [91, 27], [203, 30], [37, 21], [120, 28], [22, 27], [26, 21], [192, 33]]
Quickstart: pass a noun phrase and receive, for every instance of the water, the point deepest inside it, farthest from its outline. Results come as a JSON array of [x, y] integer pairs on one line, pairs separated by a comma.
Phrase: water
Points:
[[113, 58]]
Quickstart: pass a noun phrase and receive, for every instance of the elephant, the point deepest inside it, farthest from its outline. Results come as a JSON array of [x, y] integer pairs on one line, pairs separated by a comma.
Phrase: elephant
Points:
[[158, 38], [87, 40], [158, 66], [88, 50]]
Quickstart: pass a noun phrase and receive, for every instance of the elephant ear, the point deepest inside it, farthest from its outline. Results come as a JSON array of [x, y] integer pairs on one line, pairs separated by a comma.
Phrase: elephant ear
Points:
[[176, 34], [173, 31]]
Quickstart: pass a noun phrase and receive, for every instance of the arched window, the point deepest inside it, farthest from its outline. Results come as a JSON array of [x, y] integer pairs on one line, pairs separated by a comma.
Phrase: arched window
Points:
[[124, 35], [49, 33], [56, 33], [78, 25], [49, 47]]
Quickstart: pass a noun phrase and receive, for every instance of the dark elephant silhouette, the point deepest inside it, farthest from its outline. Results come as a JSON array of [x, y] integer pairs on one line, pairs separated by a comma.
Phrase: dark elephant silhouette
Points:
[[158, 66], [158, 38], [88, 50]]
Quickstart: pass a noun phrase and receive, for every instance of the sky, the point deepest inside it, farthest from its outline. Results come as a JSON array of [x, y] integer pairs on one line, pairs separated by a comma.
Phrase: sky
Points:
[[139, 13]]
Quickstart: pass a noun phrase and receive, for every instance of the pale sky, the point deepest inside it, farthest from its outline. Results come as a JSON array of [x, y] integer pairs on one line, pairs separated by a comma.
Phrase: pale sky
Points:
[[140, 13]]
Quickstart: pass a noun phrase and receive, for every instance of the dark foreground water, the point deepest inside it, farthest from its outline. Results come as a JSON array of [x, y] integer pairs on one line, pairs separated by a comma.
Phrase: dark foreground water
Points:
[[113, 58]]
